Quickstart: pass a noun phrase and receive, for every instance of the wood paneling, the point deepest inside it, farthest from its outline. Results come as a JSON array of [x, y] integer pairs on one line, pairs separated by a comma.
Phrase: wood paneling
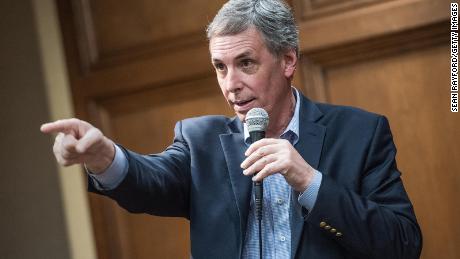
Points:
[[152, 115], [369, 22], [137, 67], [112, 32], [134, 80], [311, 9], [415, 98], [402, 73]]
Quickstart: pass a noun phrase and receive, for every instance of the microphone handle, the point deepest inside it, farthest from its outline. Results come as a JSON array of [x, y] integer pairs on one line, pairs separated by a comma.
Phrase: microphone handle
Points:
[[259, 195], [258, 186]]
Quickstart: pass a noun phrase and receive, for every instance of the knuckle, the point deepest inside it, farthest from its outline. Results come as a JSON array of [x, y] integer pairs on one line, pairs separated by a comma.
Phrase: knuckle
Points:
[[259, 166], [268, 167], [55, 147], [66, 163], [66, 155], [60, 160], [56, 152], [98, 132], [285, 164], [74, 120], [262, 151], [66, 146]]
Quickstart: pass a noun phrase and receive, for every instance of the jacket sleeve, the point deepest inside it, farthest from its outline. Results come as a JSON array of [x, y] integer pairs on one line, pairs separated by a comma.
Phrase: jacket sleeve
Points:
[[156, 184], [378, 220]]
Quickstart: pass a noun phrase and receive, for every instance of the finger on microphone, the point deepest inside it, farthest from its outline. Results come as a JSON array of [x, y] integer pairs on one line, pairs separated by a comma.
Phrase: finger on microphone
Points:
[[253, 147], [260, 143]]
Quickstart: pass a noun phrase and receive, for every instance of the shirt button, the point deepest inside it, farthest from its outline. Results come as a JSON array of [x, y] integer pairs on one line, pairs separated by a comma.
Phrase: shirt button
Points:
[[279, 201], [282, 238]]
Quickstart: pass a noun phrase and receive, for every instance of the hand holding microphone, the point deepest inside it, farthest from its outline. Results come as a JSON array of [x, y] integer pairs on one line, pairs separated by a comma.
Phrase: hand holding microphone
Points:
[[267, 156]]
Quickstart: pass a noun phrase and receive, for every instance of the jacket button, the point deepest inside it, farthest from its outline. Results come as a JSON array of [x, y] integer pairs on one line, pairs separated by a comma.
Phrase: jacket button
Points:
[[327, 227], [333, 230], [338, 234], [322, 224]]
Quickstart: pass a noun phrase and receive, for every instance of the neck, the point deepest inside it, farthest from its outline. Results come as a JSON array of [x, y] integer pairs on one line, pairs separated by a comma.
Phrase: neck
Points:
[[279, 123]]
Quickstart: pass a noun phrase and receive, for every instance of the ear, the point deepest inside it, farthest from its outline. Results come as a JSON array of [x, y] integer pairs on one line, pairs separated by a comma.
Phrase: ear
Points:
[[290, 63]]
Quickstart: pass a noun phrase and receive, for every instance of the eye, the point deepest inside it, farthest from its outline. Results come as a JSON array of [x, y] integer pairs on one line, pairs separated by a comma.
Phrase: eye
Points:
[[246, 63], [219, 66]]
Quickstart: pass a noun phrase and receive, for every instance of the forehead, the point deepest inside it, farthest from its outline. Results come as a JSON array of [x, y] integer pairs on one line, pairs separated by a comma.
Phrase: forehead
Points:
[[231, 46]]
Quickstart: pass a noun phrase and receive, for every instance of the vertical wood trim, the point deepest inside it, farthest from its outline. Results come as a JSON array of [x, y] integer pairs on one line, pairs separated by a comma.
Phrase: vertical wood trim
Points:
[[72, 182], [86, 37]]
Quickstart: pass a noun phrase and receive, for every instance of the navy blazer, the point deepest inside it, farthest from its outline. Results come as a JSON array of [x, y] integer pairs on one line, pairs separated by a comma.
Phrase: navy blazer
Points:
[[362, 209]]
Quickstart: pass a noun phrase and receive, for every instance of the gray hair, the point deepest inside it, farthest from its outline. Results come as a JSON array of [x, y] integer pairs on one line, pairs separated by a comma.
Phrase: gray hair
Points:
[[272, 18]]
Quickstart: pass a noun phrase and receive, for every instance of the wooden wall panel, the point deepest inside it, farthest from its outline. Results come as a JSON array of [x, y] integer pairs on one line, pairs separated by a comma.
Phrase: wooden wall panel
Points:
[[137, 67], [403, 73], [135, 89], [371, 21], [416, 99], [152, 114], [311, 9], [114, 31]]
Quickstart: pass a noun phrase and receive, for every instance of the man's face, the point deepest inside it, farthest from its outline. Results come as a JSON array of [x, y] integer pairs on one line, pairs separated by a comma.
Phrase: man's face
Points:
[[249, 75]]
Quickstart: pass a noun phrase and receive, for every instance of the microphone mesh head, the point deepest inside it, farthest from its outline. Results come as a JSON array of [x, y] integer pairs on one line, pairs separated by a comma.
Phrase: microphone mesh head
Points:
[[257, 119]]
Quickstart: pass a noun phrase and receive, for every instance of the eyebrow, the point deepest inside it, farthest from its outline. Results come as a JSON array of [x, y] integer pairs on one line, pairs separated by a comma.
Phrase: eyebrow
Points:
[[244, 55], [240, 56]]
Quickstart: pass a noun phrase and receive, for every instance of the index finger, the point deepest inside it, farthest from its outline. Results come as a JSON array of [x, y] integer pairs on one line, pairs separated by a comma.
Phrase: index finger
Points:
[[65, 126], [256, 145]]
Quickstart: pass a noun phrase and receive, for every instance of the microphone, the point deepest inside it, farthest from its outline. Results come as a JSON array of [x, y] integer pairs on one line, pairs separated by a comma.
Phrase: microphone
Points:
[[257, 122]]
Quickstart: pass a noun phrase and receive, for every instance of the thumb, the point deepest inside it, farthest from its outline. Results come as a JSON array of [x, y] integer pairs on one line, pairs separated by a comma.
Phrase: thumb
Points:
[[91, 138]]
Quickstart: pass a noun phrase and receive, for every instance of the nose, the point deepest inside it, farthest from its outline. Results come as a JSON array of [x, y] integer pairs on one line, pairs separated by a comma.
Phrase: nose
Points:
[[233, 81]]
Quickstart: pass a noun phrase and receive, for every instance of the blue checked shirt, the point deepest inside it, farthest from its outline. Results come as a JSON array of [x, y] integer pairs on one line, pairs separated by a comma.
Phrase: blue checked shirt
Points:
[[276, 227]]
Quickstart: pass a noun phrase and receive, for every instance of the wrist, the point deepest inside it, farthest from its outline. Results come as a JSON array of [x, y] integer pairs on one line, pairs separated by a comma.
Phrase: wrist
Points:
[[105, 158], [305, 181]]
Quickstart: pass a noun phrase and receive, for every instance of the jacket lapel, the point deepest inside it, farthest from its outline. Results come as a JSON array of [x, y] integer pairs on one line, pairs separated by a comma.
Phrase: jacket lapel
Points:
[[309, 147], [234, 147]]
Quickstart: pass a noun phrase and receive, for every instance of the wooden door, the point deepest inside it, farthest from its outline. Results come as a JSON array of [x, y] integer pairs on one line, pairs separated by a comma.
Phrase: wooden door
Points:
[[137, 67]]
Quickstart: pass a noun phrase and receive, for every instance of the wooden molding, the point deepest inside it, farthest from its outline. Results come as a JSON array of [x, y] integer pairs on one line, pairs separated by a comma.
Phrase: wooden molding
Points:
[[386, 45], [93, 58], [312, 9], [315, 64], [373, 36], [370, 22]]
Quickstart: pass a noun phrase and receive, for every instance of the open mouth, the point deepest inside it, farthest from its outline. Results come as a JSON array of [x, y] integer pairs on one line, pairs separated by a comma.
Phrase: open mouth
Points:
[[243, 105]]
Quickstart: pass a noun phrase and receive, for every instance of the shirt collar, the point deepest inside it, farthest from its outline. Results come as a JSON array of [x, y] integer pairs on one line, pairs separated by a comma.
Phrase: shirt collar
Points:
[[292, 130]]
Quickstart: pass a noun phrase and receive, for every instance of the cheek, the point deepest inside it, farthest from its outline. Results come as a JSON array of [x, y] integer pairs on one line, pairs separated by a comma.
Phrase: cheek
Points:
[[221, 86], [222, 89]]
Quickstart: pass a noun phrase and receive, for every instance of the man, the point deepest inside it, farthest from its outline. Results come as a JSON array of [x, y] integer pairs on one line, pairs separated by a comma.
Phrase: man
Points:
[[332, 189]]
